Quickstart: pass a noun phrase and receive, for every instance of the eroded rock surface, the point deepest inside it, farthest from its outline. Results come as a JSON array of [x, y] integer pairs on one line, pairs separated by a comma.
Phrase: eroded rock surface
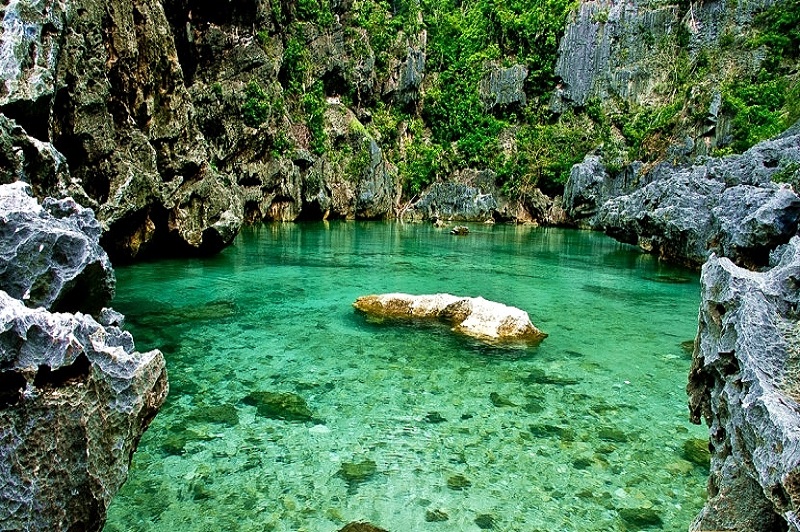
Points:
[[731, 205], [75, 396], [50, 254], [744, 383], [99, 83], [472, 316], [473, 196]]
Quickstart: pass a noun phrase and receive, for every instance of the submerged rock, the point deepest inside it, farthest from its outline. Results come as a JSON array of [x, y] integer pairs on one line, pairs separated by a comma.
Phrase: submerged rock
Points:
[[436, 516], [458, 482], [76, 398], [361, 526], [485, 521], [500, 401], [743, 382], [639, 518], [472, 316], [280, 405], [355, 473]]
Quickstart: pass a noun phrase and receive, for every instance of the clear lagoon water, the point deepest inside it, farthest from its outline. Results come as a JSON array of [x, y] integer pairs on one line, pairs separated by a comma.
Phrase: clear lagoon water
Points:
[[409, 426]]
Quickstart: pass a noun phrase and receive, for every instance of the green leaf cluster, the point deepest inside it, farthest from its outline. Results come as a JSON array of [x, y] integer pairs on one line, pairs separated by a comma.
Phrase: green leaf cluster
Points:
[[256, 108], [314, 106]]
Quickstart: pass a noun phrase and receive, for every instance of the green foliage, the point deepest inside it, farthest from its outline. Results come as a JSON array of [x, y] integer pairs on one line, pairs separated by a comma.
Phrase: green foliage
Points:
[[765, 104], [647, 128], [296, 64], [256, 108], [788, 172], [422, 166], [546, 153], [756, 108], [780, 32], [316, 11], [281, 144], [360, 161], [314, 108]]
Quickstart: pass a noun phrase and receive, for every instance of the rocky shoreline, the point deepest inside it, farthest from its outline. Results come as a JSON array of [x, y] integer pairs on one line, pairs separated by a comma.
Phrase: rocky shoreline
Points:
[[75, 395], [120, 107]]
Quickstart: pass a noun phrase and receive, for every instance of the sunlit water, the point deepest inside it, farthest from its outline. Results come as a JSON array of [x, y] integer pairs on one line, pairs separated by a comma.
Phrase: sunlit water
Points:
[[412, 427]]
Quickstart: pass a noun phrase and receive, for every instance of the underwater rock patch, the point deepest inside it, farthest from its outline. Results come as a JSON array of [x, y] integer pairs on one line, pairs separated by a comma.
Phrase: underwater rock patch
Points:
[[472, 316], [458, 482], [538, 376], [638, 518], [613, 435], [500, 401], [552, 431], [434, 417], [279, 405], [225, 414], [355, 473], [436, 516], [361, 526], [696, 451], [485, 521]]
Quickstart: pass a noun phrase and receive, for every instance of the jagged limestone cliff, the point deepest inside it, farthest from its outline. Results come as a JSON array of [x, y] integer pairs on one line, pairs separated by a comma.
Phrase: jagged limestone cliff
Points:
[[75, 395], [100, 82]]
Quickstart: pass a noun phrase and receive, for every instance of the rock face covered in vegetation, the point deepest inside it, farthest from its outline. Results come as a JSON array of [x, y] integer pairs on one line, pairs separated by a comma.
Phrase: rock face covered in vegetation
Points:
[[744, 383], [75, 396], [735, 206]]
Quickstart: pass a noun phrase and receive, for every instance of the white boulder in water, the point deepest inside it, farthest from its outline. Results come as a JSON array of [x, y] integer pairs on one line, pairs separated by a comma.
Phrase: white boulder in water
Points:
[[472, 316]]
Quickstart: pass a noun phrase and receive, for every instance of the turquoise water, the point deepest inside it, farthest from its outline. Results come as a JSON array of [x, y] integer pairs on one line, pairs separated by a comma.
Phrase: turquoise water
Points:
[[409, 426]]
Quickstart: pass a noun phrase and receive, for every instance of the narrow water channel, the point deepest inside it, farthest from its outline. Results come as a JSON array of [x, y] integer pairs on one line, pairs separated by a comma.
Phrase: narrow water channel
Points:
[[290, 412]]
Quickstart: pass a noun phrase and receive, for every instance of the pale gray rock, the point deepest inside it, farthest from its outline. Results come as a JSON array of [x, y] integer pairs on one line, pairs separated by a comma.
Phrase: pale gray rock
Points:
[[612, 49], [744, 384], [75, 398], [504, 87], [412, 72], [729, 205], [30, 43], [473, 196], [454, 202], [50, 254]]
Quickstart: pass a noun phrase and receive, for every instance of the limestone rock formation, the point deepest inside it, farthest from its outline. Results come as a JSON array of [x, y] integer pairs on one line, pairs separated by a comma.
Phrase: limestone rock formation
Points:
[[472, 316], [729, 205], [50, 255], [612, 49], [504, 87], [623, 54], [105, 88], [473, 196], [355, 182], [75, 396], [744, 383]]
